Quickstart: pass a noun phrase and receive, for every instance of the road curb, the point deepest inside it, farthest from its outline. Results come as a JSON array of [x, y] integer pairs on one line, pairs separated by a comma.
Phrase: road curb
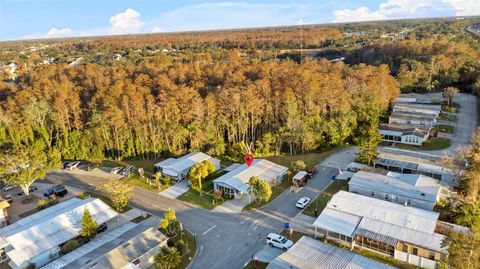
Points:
[[196, 249]]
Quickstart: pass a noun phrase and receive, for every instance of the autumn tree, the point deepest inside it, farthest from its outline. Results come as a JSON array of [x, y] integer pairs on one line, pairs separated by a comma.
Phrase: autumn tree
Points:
[[118, 192], [260, 189], [198, 173], [89, 225], [299, 165], [449, 93], [368, 145]]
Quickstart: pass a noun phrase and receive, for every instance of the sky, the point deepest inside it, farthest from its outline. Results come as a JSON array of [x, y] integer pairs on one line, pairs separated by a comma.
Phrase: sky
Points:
[[28, 19]]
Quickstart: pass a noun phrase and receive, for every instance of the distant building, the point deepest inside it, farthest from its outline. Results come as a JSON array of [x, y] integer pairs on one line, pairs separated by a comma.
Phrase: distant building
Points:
[[309, 253], [417, 108], [36, 238], [404, 134], [410, 165], [402, 232], [128, 246], [413, 119], [407, 189], [178, 168], [235, 183]]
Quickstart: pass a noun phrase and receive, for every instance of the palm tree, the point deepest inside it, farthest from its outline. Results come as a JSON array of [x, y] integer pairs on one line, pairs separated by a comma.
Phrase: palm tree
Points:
[[167, 258]]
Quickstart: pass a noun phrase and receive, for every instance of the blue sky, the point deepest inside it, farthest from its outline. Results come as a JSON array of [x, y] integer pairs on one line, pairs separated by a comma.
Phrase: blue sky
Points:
[[23, 19]]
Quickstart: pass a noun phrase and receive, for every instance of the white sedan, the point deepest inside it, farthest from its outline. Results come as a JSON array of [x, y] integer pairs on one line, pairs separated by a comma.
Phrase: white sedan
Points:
[[303, 202]]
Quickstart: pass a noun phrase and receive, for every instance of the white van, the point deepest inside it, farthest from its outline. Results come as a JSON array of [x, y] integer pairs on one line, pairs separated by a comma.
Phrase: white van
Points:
[[276, 240]]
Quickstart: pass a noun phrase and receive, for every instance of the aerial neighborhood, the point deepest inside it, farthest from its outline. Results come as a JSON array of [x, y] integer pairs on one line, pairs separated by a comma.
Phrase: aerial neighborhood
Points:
[[312, 146]]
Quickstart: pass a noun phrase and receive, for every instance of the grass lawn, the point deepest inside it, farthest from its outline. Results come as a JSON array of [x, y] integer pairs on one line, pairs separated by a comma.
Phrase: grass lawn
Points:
[[310, 159], [140, 182], [295, 235], [257, 265], [276, 191], [321, 201], [448, 117], [106, 200], [436, 143], [205, 201], [141, 218], [444, 128]]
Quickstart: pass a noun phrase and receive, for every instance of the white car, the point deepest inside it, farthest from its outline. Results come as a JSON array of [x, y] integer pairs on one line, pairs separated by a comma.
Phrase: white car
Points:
[[72, 165], [302, 202], [115, 170], [279, 241], [8, 187]]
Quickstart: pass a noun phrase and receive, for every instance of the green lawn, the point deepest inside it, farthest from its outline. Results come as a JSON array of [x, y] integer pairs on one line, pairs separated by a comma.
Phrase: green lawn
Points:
[[444, 128], [448, 117], [190, 248], [436, 143], [294, 237], [140, 182], [310, 159], [276, 191], [141, 218], [206, 199], [321, 201], [253, 265]]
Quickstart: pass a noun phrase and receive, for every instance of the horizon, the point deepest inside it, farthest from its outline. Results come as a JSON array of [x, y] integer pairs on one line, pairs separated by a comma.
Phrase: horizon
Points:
[[49, 19]]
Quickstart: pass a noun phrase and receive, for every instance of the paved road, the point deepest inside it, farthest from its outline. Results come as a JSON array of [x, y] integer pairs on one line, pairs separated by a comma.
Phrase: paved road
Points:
[[224, 240]]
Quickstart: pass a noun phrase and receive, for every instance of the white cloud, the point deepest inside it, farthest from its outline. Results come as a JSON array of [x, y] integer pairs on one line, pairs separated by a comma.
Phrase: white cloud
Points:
[[359, 14], [398, 9], [127, 22], [55, 32], [157, 30]]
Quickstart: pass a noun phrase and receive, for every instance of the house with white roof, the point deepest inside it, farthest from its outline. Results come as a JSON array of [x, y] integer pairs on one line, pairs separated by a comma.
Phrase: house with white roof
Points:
[[405, 233], [36, 238], [409, 189], [404, 134], [309, 253], [421, 109], [178, 168], [235, 182], [414, 119]]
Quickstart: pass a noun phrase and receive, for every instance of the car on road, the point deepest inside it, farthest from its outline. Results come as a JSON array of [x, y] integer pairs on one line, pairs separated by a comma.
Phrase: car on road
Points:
[[54, 190], [302, 202], [72, 165], [8, 187], [92, 166], [115, 170], [279, 241], [30, 189]]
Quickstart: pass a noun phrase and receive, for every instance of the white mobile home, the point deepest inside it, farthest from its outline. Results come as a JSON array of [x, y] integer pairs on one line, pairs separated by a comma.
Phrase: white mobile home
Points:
[[178, 168], [36, 238], [408, 189], [423, 121], [421, 109], [235, 182], [403, 134]]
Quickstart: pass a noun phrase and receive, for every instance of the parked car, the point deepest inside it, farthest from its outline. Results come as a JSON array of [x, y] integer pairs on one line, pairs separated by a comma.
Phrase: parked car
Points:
[[311, 172], [8, 187], [302, 202], [61, 193], [30, 189], [9, 199], [102, 228], [127, 170], [279, 241], [72, 165], [65, 164], [91, 166], [54, 190], [115, 170]]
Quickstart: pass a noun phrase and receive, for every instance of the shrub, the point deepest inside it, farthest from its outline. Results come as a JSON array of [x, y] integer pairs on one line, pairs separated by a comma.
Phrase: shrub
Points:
[[53, 199], [70, 246], [170, 243], [83, 195], [181, 246], [42, 204]]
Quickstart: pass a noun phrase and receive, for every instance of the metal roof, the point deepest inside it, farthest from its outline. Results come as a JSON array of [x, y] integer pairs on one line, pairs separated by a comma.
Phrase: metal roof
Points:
[[98, 241], [184, 163], [413, 163], [337, 221], [261, 168], [418, 187], [309, 253], [300, 175], [49, 228]]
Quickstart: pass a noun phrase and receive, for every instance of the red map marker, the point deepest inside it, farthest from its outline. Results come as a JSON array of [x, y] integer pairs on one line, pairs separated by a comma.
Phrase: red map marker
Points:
[[248, 158]]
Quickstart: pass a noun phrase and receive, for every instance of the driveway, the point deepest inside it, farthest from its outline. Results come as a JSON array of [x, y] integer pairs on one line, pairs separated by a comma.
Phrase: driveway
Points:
[[233, 206], [341, 159], [176, 190]]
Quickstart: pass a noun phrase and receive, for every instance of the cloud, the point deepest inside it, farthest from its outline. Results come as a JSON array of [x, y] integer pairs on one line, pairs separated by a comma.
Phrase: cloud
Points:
[[359, 14], [127, 22], [399, 9], [157, 30], [55, 32]]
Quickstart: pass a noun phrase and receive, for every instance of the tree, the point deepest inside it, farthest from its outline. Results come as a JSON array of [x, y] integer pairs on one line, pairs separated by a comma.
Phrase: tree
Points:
[[118, 192], [368, 145], [89, 225], [198, 173], [260, 189], [299, 165], [169, 222], [22, 164], [449, 93], [167, 258]]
